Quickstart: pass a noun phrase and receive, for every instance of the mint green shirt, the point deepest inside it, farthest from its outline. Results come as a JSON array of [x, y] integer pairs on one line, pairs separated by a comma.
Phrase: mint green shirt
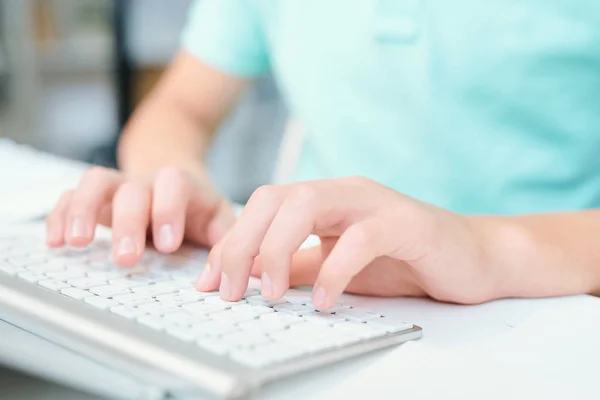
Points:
[[475, 106]]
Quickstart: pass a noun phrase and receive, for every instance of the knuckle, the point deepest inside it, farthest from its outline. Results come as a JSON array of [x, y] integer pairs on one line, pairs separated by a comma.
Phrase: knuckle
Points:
[[129, 188], [306, 195], [171, 172], [96, 174], [265, 193]]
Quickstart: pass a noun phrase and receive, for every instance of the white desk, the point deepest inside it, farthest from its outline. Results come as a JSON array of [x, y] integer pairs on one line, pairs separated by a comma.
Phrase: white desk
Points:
[[444, 325]]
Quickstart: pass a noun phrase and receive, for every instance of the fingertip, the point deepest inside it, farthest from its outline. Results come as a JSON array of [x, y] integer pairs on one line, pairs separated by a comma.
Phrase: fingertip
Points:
[[320, 299], [126, 253], [53, 242], [79, 242], [208, 281]]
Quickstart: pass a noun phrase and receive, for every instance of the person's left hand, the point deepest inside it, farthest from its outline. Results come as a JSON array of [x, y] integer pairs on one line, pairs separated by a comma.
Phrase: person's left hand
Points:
[[374, 241]]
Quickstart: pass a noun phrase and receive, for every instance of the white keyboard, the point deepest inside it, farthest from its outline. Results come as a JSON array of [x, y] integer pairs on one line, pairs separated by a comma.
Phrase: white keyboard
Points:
[[159, 294]]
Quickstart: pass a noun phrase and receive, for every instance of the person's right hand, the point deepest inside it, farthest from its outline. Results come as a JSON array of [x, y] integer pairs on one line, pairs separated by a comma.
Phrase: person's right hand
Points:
[[171, 204]]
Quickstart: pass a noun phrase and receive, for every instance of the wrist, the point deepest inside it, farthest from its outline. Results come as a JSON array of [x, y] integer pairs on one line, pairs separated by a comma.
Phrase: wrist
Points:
[[506, 250]]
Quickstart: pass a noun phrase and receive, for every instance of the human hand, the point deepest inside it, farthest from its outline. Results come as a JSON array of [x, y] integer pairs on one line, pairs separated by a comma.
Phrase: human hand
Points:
[[171, 204], [373, 241]]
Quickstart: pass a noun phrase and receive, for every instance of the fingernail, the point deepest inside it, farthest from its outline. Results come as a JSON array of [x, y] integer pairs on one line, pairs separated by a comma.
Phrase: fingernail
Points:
[[126, 246], [78, 228], [225, 288], [319, 298], [267, 287], [166, 236], [204, 275]]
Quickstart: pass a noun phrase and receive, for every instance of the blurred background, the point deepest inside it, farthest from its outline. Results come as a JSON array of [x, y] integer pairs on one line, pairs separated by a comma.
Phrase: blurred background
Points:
[[72, 71]]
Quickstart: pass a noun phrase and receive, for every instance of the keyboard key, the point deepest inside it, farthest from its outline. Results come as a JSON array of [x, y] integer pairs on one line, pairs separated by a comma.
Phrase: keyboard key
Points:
[[356, 329], [53, 285], [182, 333], [232, 316], [358, 314], [44, 268], [389, 326], [244, 339], [109, 291], [251, 292], [252, 309], [86, 283], [298, 297], [219, 300], [100, 302], [65, 275], [125, 282], [259, 300], [203, 308], [214, 328], [195, 291], [183, 318], [295, 309], [256, 325], [279, 320], [134, 299], [155, 290], [156, 308], [9, 269], [339, 307], [75, 293], [324, 318], [32, 277], [153, 321], [213, 345], [128, 312], [105, 275], [179, 298]]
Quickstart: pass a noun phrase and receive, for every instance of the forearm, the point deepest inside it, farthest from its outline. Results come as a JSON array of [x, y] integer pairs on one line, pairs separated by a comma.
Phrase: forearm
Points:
[[543, 255], [162, 133]]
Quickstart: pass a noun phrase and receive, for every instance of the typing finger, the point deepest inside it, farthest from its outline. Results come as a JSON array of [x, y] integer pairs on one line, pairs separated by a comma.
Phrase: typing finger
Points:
[[55, 222], [242, 243], [131, 216], [96, 188], [210, 277], [290, 227], [171, 195], [356, 248]]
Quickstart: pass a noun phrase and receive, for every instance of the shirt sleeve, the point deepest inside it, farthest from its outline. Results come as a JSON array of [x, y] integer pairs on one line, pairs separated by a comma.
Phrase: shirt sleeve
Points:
[[228, 35]]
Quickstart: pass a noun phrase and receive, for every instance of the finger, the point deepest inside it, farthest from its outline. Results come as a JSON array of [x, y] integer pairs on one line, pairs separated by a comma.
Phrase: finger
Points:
[[242, 243], [131, 216], [96, 188], [210, 277], [356, 248], [56, 220], [293, 223], [171, 195], [304, 268]]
